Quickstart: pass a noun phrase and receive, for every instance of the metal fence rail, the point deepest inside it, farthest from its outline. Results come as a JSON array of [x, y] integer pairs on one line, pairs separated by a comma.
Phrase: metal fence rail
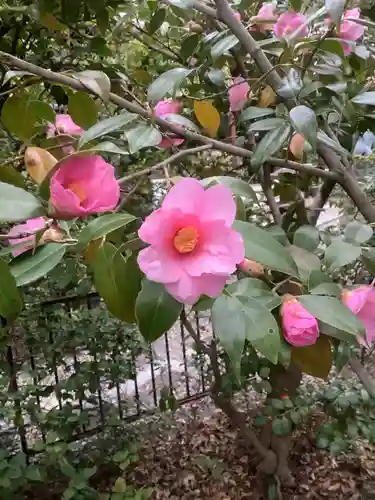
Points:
[[79, 370]]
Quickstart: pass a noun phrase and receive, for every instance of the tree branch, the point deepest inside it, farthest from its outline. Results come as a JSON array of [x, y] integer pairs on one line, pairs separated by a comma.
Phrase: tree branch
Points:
[[363, 376], [319, 200], [266, 183]]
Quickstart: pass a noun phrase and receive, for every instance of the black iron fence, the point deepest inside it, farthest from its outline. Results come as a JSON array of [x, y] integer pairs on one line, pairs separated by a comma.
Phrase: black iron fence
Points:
[[71, 369]]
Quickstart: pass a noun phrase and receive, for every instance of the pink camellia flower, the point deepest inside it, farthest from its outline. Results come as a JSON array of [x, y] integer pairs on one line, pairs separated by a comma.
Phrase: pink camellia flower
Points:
[[299, 326], [238, 94], [84, 185], [28, 242], [350, 30], [163, 108], [288, 23], [193, 248], [63, 125], [266, 13], [361, 301]]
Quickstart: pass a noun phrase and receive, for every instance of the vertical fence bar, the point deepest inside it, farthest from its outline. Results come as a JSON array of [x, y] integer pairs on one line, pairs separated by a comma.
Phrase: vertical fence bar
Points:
[[197, 325], [183, 341], [154, 391], [168, 363], [136, 388], [36, 380]]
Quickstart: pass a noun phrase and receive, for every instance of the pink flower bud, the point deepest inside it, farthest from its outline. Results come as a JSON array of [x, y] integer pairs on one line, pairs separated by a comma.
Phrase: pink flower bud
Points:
[[350, 30], [162, 109], [300, 328], [288, 23], [237, 15], [238, 94], [266, 13], [63, 125], [361, 301]]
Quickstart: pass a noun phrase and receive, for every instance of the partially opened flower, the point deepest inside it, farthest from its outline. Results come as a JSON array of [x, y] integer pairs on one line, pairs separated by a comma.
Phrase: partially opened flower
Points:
[[266, 13], [361, 301], [297, 145], [63, 125], [350, 30], [163, 108], [192, 247], [84, 185], [288, 23], [238, 94], [300, 328], [26, 235]]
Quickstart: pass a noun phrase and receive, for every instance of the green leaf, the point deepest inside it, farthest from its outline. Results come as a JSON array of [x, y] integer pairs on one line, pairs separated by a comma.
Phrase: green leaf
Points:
[[103, 225], [272, 142], [266, 124], [340, 253], [33, 473], [307, 237], [112, 280], [106, 126], [306, 262], [332, 289], [253, 112], [270, 345], [252, 287], [156, 311], [223, 46], [106, 147], [332, 45], [335, 9], [316, 359], [96, 81], [304, 121], [82, 109], [11, 303], [281, 426], [189, 45], [28, 268], [368, 259], [265, 249], [237, 186], [157, 20], [356, 232], [143, 136], [365, 98], [17, 204], [167, 83], [217, 76], [11, 176], [332, 312]]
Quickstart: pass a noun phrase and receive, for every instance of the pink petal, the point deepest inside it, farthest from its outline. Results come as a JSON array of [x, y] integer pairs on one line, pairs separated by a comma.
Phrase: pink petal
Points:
[[238, 94], [168, 142], [189, 289], [186, 195], [217, 204], [158, 267], [167, 107]]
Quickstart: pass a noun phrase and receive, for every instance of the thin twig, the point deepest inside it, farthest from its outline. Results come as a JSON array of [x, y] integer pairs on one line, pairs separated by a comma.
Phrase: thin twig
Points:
[[266, 183], [363, 376], [128, 195]]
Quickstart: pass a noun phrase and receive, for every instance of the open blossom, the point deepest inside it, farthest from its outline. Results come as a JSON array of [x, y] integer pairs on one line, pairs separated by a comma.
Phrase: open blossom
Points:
[[84, 185], [288, 23], [238, 94], [63, 125], [163, 108], [361, 301], [192, 247], [266, 13], [300, 328], [350, 30]]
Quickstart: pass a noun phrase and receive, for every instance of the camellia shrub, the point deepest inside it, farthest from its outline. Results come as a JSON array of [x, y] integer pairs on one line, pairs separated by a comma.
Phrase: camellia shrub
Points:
[[283, 96]]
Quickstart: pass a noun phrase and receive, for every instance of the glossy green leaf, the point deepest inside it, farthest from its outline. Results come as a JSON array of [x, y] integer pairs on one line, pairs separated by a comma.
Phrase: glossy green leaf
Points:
[[332, 312], [103, 225], [270, 144], [257, 289], [266, 124], [265, 249], [143, 136], [217, 76], [340, 254], [306, 262], [156, 310], [106, 126], [252, 112], [356, 232], [269, 346], [28, 268], [157, 20], [368, 259], [11, 303], [17, 204], [237, 186], [82, 109], [189, 45], [281, 426], [223, 46], [332, 289], [167, 83], [306, 237], [96, 81], [365, 98], [11, 176], [106, 147], [304, 122]]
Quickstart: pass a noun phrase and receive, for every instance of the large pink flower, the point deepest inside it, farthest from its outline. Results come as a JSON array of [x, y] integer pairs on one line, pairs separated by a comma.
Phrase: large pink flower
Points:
[[25, 243], [193, 248], [350, 30], [84, 185], [63, 125], [300, 328], [361, 301], [162, 109], [288, 23], [266, 13], [238, 94]]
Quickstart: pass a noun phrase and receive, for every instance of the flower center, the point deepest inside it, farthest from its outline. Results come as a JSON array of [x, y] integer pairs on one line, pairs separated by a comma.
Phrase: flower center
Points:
[[78, 190], [186, 239]]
